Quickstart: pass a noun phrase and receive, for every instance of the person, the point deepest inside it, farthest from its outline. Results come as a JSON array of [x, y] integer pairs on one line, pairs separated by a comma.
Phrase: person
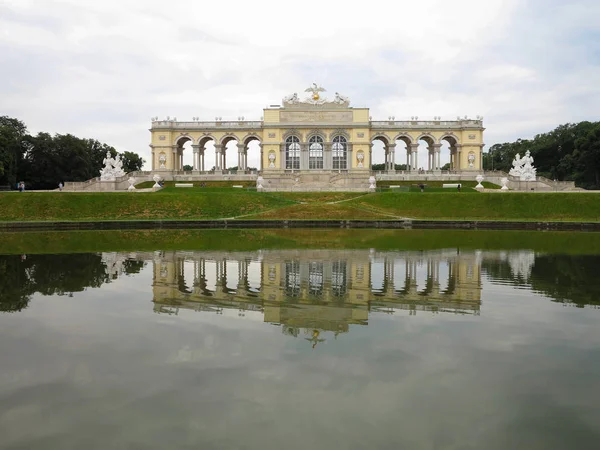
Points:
[[60, 186], [422, 186], [458, 187]]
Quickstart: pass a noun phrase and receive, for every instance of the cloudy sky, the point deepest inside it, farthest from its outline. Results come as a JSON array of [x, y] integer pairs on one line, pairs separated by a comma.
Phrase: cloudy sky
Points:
[[102, 69]]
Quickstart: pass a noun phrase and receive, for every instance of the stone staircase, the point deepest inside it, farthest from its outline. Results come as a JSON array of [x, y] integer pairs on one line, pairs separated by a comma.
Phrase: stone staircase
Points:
[[313, 181]]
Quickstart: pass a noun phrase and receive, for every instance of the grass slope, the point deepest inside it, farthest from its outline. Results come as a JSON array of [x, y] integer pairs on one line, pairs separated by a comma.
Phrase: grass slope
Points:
[[219, 203]]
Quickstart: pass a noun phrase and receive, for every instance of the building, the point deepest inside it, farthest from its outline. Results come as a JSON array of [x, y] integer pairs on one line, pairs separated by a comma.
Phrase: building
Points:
[[315, 136]]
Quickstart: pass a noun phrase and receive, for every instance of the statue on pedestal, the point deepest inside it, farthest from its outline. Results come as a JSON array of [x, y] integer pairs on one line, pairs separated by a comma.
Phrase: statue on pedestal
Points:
[[523, 167], [113, 168], [479, 179]]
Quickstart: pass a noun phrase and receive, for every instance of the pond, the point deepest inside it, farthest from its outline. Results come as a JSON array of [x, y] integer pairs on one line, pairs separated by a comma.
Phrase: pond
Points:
[[292, 339]]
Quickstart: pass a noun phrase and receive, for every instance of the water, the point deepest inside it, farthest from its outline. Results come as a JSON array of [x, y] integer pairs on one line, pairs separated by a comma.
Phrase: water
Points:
[[296, 349]]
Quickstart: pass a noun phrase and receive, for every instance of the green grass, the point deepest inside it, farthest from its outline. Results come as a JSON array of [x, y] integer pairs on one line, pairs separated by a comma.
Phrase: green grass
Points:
[[256, 239], [436, 185], [219, 203]]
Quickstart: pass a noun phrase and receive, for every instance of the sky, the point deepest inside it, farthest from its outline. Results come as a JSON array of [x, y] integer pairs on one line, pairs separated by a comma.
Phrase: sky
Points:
[[103, 69]]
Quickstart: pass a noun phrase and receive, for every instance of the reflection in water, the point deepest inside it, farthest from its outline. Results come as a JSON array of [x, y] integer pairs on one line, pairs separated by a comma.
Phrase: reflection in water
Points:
[[312, 291]]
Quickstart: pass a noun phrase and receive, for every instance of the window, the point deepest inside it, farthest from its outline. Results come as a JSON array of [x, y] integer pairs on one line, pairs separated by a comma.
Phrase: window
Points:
[[315, 278], [315, 152], [339, 151], [338, 278], [292, 153], [292, 278]]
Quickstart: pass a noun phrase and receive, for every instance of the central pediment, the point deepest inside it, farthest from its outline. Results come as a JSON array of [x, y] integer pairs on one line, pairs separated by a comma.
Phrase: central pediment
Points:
[[315, 101]]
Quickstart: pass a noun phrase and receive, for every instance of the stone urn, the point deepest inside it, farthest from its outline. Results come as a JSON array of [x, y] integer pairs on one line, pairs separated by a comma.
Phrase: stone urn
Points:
[[504, 182], [156, 179], [131, 181], [372, 183], [259, 183], [479, 179]]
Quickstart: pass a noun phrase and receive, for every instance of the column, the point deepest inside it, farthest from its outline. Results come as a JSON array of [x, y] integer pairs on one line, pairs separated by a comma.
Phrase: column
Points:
[[327, 156], [241, 148], [282, 161], [480, 157], [224, 158], [304, 156], [202, 160], [458, 156], [391, 157], [260, 165], [414, 150], [436, 156], [218, 148], [175, 159], [408, 157], [196, 149]]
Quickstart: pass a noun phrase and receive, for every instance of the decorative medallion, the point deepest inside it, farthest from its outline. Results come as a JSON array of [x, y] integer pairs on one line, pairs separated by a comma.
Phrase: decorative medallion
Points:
[[272, 135], [162, 137]]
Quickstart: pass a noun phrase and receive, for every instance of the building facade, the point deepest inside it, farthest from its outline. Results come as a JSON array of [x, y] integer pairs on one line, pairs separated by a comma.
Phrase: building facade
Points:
[[316, 134]]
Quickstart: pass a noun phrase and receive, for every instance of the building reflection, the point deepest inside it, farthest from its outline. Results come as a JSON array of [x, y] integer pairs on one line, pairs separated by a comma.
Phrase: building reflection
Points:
[[310, 291]]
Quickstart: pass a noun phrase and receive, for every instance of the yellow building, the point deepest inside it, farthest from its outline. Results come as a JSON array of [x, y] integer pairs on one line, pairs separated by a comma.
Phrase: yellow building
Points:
[[317, 135]]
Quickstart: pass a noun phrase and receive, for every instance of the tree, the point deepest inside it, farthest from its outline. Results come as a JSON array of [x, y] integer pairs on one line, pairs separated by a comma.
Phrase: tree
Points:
[[12, 134], [187, 167], [132, 162]]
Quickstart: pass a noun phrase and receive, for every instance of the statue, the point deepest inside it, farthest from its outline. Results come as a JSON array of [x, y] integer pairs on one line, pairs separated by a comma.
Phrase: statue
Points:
[[360, 156], [259, 183], [340, 99], [471, 160], [504, 182], [523, 167], [271, 160], [162, 159], [156, 179], [291, 99], [112, 169], [315, 98]]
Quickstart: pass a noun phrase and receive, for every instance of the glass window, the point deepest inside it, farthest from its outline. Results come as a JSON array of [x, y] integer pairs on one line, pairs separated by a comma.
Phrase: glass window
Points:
[[315, 152], [339, 151], [292, 153]]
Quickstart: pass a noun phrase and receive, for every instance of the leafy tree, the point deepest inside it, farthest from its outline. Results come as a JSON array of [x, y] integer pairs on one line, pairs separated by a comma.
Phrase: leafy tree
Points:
[[132, 162], [12, 134], [187, 167]]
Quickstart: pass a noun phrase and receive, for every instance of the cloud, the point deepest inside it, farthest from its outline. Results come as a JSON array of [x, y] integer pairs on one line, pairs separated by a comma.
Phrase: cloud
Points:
[[102, 69]]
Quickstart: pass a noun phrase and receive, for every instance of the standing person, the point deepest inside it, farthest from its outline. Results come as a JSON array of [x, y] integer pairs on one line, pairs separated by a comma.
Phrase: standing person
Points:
[[60, 186], [459, 187]]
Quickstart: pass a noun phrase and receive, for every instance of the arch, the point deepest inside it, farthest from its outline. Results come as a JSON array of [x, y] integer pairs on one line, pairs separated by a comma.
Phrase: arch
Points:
[[292, 132], [315, 151], [314, 133], [405, 137], [451, 138], [182, 139], [292, 153], [202, 140], [339, 132], [249, 138], [427, 137], [339, 153], [381, 137], [227, 138]]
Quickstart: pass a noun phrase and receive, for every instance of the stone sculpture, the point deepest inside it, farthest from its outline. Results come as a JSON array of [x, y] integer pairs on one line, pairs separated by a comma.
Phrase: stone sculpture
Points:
[[523, 167], [162, 160], [479, 179], [471, 160], [504, 182], [156, 179], [360, 156], [271, 160], [372, 183], [113, 168], [259, 183], [131, 181]]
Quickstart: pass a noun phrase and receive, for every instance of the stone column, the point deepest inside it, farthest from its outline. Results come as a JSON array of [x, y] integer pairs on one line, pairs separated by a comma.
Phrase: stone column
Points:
[[303, 156], [241, 148], [282, 161], [391, 157], [218, 148], [414, 150], [327, 156], [202, 160], [458, 156], [436, 156], [196, 149], [175, 158], [408, 158], [260, 164]]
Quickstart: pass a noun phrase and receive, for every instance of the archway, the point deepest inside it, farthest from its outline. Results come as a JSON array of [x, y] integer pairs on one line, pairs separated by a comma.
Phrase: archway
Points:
[[226, 153], [379, 153], [403, 149], [183, 146], [426, 158], [206, 146], [450, 142], [250, 158]]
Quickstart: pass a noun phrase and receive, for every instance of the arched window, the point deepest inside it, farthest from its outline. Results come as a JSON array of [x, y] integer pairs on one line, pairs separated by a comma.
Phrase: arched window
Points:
[[339, 151], [315, 152], [292, 153]]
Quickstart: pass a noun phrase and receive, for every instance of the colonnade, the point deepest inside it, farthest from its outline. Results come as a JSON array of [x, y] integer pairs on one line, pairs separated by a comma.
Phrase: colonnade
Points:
[[199, 151], [412, 157]]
